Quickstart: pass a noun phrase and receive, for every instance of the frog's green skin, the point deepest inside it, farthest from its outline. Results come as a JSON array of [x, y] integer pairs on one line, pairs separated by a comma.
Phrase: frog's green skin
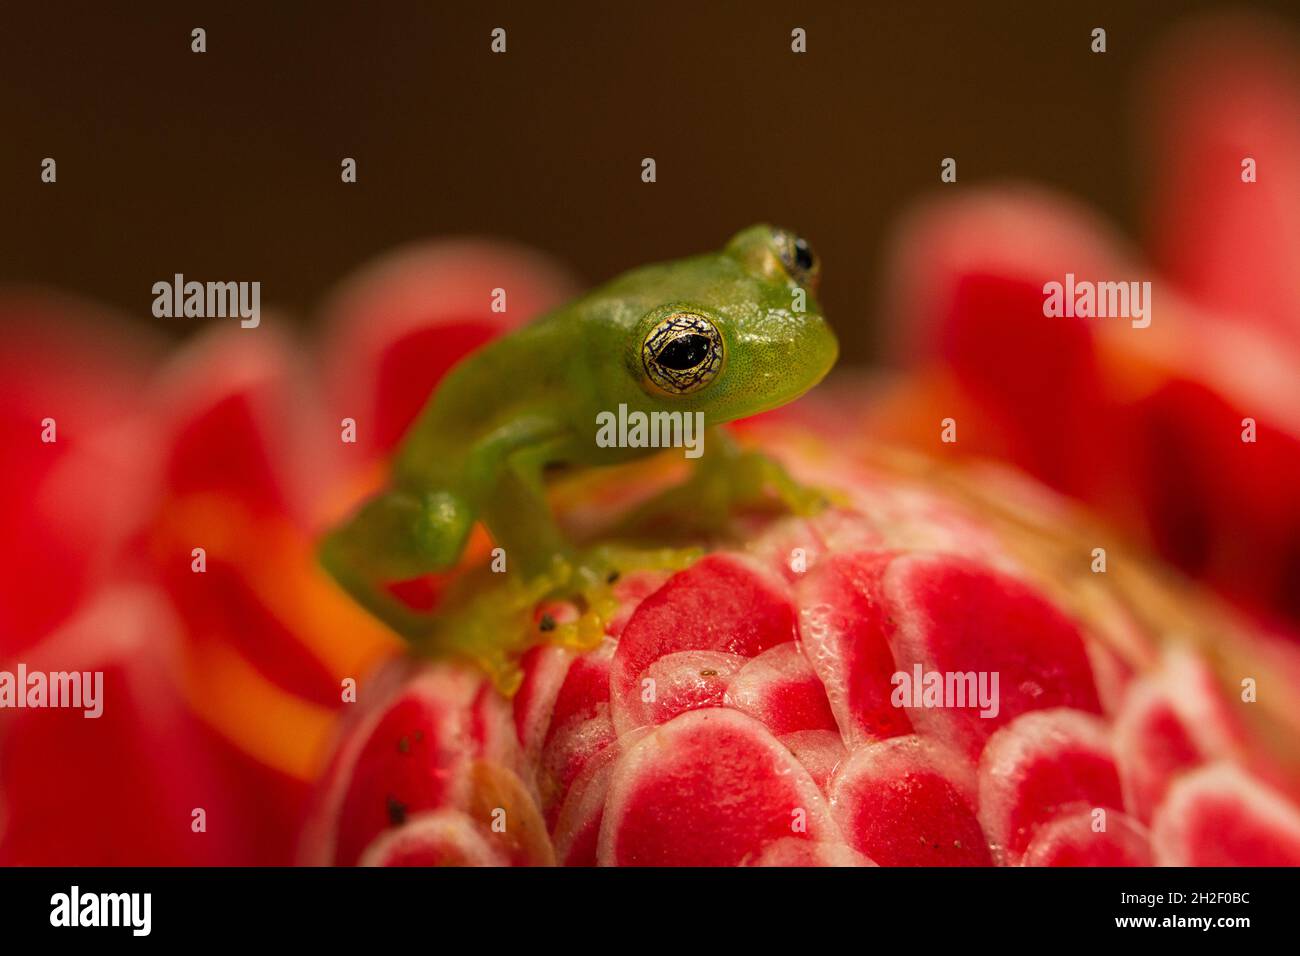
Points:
[[530, 400]]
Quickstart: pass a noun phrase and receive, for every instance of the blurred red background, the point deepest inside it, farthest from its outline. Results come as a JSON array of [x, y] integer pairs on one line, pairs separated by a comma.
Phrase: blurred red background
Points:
[[1126, 165]]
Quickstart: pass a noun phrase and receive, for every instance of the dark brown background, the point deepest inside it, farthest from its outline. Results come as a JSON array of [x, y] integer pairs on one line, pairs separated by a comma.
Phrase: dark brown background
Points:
[[226, 165]]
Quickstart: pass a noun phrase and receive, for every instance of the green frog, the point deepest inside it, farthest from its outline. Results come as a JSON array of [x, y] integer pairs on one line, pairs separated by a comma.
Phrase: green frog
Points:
[[706, 339]]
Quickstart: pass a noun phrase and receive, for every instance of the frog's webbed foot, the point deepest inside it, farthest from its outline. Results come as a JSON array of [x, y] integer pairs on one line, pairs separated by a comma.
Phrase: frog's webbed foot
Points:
[[492, 622], [392, 537], [726, 481], [752, 479]]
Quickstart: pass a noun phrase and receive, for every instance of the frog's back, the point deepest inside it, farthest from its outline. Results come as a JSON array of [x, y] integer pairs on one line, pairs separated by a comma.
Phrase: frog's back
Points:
[[518, 376]]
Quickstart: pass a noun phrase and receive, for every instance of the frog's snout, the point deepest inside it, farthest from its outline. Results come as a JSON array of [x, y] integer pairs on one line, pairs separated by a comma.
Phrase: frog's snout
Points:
[[801, 358], [823, 349]]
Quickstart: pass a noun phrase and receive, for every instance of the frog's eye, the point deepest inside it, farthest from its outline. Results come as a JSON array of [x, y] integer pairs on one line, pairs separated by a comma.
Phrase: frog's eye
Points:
[[683, 353], [797, 256]]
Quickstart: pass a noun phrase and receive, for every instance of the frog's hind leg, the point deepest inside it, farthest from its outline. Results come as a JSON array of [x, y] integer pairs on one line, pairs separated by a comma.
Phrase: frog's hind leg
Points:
[[728, 479], [740, 477], [395, 536]]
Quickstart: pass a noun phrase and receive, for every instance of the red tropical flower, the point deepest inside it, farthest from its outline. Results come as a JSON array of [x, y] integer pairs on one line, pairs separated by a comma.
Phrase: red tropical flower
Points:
[[747, 709], [1145, 424], [220, 688]]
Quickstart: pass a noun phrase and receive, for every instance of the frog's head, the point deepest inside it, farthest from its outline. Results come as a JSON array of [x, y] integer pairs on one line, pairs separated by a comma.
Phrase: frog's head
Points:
[[731, 333]]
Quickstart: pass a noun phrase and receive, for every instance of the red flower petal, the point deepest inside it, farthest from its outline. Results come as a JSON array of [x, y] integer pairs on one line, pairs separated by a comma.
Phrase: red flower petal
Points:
[[708, 788], [1226, 90], [65, 506], [1221, 816], [719, 604], [843, 632], [1172, 720], [908, 802], [399, 324], [1072, 840], [1040, 766], [121, 789], [953, 616]]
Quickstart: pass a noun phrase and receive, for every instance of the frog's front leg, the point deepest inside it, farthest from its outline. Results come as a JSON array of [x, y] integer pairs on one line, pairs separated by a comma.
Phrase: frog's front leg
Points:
[[395, 536], [518, 515], [406, 532]]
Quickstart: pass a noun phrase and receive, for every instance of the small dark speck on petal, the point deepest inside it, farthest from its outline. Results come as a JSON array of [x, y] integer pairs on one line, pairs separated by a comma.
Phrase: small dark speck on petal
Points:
[[396, 811]]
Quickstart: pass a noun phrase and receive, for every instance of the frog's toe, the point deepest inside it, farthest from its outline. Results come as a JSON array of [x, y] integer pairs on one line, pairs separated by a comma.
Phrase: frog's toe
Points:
[[753, 479]]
